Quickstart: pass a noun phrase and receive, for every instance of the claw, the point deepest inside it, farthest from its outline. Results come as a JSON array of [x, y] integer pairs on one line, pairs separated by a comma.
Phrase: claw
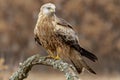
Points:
[[57, 57], [52, 56]]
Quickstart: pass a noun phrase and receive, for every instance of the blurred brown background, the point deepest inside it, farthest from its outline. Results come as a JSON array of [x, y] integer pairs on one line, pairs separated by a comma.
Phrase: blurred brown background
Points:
[[97, 23]]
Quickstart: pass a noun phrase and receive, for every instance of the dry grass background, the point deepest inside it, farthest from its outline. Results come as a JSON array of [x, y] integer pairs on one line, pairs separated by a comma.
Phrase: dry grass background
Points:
[[96, 21]]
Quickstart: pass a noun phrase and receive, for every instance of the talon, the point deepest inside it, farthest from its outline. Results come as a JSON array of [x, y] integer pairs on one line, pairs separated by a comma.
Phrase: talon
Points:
[[52, 56], [57, 57]]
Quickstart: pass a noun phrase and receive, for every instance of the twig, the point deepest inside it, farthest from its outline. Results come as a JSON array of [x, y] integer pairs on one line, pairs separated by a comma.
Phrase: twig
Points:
[[25, 67]]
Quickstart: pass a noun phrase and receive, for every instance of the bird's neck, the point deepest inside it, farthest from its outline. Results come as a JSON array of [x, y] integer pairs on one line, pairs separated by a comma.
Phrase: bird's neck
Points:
[[45, 18], [46, 15], [45, 22]]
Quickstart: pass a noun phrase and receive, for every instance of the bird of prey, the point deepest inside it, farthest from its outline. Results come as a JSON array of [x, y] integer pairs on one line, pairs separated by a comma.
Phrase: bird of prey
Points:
[[59, 39]]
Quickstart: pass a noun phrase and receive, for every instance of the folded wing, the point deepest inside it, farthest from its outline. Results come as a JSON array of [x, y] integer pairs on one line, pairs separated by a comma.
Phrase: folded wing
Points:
[[65, 31]]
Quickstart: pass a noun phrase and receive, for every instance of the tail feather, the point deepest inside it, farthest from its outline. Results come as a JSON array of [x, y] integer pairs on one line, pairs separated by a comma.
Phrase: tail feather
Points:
[[87, 67], [85, 53], [88, 54], [90, 70], [77, 66], [78, 62]]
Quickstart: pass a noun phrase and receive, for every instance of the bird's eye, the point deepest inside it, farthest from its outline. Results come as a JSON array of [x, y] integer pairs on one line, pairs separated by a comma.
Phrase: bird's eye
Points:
[[48, 8]]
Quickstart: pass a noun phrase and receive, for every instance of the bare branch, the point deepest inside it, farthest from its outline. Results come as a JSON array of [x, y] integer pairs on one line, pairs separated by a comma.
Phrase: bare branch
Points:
[[25, 67]]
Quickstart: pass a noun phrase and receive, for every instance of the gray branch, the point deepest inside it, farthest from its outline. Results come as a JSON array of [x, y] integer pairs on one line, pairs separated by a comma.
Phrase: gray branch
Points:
[[25, 67]]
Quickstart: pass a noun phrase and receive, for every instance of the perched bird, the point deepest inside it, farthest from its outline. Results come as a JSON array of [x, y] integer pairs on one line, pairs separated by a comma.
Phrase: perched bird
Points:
[[59, 38]]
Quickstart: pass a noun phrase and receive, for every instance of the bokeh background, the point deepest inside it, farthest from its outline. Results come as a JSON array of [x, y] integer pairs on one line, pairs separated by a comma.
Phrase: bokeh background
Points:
[[97, 23]]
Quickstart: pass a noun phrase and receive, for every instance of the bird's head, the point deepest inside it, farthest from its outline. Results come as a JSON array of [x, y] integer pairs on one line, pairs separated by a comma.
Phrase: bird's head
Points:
[[48, 9]]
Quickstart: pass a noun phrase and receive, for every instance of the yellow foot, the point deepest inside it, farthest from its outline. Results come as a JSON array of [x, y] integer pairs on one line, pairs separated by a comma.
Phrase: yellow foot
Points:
[[57, 57]]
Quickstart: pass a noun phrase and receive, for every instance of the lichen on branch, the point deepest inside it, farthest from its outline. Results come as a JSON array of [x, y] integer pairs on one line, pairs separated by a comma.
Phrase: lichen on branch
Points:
[[25, 67]]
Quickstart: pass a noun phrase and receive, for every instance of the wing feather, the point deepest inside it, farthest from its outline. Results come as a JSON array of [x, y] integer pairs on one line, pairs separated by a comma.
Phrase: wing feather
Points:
[[65, 31], [37, 39], [62, 22]]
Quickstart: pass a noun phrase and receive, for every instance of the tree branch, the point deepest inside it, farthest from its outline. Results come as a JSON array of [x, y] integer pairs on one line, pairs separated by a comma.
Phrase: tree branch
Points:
[[25, 67]]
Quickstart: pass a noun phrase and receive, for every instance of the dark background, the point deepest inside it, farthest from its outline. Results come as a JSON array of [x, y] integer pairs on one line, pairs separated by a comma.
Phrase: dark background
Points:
[[96, 21]]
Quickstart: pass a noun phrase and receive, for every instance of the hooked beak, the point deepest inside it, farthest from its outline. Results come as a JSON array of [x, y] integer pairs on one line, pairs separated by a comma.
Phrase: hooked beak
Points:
[[52, 10]]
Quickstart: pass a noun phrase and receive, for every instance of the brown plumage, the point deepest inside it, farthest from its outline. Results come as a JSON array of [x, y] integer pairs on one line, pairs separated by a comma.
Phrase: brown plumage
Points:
[[59, 39]]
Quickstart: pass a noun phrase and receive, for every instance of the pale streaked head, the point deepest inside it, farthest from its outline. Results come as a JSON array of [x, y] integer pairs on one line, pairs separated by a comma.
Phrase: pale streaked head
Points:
[[48, 9]]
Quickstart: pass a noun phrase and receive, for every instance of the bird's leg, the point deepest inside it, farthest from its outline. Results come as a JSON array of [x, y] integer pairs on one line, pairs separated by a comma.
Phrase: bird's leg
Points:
[[50, 54], [57, 57], [58, 52]]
